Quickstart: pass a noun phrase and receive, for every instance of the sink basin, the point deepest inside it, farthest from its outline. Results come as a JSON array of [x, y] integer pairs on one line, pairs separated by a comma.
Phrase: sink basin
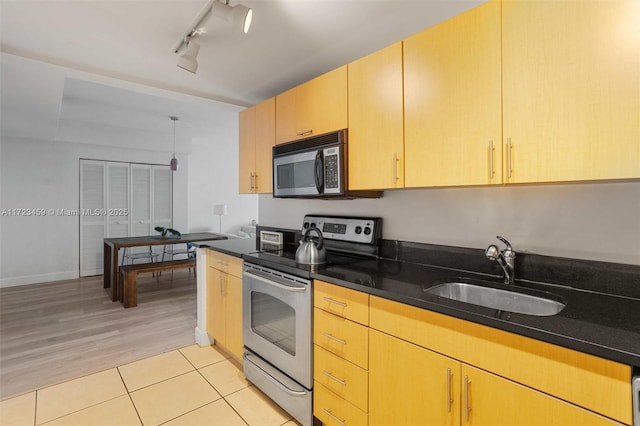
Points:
[[504, 300]]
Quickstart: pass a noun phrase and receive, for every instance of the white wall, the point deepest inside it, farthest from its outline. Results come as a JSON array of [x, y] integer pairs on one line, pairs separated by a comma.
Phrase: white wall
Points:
[[593, 221], [44, 174], [213, 179]]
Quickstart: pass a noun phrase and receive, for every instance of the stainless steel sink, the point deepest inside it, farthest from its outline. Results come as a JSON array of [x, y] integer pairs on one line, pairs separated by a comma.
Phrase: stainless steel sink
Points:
[[504, 300]]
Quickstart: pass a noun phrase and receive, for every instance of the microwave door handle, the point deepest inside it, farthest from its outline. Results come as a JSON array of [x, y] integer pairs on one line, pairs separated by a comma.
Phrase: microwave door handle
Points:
[[319, 172]]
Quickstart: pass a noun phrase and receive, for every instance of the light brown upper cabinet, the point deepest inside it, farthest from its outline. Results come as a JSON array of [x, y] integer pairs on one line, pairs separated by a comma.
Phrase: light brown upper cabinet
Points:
[[452, 95], [376, 142], [257, 138], [313, 108], [571, 75]]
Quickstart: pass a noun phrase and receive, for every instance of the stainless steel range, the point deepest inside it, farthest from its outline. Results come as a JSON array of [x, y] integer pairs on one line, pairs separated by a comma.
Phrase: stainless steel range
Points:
[[278, 307]]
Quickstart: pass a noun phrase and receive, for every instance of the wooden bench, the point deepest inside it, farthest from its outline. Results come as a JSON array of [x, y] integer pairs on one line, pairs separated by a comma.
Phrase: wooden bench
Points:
[[128, 290]]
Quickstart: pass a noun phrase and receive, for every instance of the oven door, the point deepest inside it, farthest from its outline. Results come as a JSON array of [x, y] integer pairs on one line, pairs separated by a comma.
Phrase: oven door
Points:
[[277, 322]]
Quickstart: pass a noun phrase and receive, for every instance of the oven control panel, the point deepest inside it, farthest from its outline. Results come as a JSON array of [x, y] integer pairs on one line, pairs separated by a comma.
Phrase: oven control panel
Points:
[[352, 229]]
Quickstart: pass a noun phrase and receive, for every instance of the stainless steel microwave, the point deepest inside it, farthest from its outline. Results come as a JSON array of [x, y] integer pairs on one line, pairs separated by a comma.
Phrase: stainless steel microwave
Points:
[[314, 167]]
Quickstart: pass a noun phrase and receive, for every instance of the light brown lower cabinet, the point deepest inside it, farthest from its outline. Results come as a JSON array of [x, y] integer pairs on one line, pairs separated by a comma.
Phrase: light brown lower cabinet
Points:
[[224, 302], [380, 362], [411, 385]]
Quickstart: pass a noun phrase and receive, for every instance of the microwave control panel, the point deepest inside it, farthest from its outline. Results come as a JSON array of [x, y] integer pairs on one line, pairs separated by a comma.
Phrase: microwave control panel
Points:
[[331, 170], [351, 229]]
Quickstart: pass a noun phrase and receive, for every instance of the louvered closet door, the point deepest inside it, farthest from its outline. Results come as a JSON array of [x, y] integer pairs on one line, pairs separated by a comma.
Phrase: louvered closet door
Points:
[[92, 222], [140, 202], [118, 200], [162, 198], [162, 209]]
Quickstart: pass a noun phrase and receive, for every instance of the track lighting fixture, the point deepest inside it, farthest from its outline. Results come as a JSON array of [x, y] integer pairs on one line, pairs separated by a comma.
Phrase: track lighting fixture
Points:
[[189, 59], [239, 15]]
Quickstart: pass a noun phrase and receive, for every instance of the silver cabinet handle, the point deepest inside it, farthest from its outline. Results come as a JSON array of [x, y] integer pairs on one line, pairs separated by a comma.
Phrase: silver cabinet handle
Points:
[[467, 404], [491, 159], [255, 182], [221, 286], [337, 302], [334, 417], [508, 157], [304, 132], [449, 396], [334, 338], [332, 377]]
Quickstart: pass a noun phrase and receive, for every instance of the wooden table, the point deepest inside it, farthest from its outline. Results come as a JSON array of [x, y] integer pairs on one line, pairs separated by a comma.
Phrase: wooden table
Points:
[[113, 245]]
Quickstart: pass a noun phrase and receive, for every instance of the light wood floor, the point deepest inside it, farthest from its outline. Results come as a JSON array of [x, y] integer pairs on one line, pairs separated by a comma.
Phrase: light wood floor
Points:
[[52, 332]]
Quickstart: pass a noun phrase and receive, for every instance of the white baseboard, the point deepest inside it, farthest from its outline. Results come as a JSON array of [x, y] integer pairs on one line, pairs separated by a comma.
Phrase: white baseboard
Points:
[[203, 338], [39, 278]]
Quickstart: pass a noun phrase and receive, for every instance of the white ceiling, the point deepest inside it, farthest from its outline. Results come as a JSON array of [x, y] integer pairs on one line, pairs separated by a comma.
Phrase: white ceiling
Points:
[[79, 66]]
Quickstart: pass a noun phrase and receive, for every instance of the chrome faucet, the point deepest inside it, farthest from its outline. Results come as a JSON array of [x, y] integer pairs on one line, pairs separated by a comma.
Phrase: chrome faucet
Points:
[[505, 258]]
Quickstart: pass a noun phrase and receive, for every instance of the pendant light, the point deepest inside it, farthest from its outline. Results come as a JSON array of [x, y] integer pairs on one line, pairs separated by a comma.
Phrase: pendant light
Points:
[[173, 165]]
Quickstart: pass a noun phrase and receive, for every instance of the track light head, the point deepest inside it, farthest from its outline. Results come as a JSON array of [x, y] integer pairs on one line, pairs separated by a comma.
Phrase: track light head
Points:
[[189, 59], [239, 15]]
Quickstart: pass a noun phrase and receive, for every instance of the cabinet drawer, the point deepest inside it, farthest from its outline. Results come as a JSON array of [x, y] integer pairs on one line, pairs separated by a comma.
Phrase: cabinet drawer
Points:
[[345, 379], [345, 338], [333, 410], [341, 301], [225, 263]]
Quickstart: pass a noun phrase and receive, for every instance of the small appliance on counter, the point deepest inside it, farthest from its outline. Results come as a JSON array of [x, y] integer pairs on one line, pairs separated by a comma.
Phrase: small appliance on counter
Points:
[[277, 302]]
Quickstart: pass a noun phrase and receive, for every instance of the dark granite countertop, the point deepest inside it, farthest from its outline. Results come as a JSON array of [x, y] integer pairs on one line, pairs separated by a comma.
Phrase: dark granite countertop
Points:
[[601, 324], [234, 246]]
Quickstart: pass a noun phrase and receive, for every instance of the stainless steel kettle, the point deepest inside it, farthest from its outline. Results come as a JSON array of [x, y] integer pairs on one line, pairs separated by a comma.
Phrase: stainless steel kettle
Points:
[[309, 252]]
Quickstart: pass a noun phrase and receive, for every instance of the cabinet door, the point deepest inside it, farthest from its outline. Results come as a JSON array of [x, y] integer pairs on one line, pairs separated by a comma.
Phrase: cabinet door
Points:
[[313, 108], [265, 135], [452, 95], [410, 385], [246, 150], [286, 128], [571, 90], [376, 134], [323, 106], [490, 400], [233, 315], [215, 305]]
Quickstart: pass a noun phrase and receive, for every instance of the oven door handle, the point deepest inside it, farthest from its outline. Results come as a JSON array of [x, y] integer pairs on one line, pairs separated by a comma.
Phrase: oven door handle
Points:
[[293, 289], [276, 382]]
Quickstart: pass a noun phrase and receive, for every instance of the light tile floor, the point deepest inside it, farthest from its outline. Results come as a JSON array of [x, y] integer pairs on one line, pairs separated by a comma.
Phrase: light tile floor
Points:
[[191, 386]]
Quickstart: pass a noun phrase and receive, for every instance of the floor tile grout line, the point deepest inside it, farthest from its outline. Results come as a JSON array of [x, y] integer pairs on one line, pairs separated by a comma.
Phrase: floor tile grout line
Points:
[[77, 411], [162, 381], [130, 398], [87, 375], [191, 411], [224, 397], [35, 408], [129, 393]]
